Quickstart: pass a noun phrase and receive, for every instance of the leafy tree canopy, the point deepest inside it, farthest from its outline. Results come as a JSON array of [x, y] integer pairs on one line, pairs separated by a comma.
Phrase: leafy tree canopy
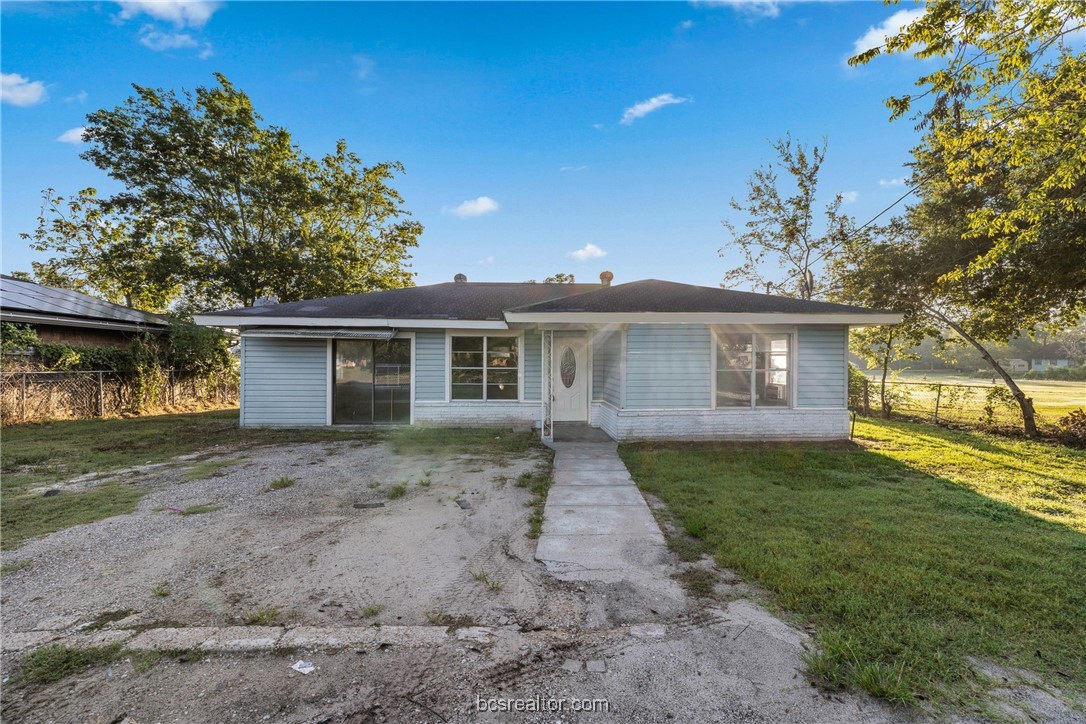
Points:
[[225, 208]]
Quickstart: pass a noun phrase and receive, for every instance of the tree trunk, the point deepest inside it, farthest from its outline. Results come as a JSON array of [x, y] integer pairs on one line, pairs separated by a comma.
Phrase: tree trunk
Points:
[[1029, 422]]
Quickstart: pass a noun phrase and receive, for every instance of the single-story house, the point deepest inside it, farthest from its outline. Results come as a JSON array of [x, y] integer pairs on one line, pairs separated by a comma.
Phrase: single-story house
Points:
[[645, 359], [62, 316], [1051, 355]]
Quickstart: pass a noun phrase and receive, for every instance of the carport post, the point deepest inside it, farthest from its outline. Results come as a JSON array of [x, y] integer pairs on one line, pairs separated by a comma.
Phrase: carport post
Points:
[[22, 400], [101, 397]]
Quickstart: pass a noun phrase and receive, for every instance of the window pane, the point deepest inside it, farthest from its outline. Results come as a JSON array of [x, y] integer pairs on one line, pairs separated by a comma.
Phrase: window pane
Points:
[[732, 388], [494, 376], [501, 352], [352, 397], [772, 351], [733, 352], [467, 392], [501, 391], [474, 377], [467, 359], [467, 344], [771, 389]]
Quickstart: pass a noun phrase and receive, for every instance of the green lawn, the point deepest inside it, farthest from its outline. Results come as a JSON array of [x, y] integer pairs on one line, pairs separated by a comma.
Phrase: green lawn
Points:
[[909, 551]]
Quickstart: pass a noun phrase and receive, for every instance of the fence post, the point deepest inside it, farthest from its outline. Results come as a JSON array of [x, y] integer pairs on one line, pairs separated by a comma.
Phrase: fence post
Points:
[[101, 397], [938, 395], [23, 398]]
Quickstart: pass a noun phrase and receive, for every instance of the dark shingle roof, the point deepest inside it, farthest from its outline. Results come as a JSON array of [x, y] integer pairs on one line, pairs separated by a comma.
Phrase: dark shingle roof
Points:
[[653, 295], [451, 300], [17, 295]]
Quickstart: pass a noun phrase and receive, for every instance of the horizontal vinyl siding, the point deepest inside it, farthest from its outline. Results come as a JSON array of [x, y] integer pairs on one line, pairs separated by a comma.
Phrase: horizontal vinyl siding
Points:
[[532, 359], [668, 366], [285, 381], [607, 367], [822, 369], [430, 365]]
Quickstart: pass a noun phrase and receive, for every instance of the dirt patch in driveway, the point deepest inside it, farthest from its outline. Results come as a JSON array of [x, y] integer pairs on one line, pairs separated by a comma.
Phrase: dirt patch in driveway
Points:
[[363, 537]]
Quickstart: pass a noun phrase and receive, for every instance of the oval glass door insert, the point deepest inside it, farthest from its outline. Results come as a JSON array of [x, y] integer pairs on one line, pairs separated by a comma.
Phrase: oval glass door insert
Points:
[[568, 367]]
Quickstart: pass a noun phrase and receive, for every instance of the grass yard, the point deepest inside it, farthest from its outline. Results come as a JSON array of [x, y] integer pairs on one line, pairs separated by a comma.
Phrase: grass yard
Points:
[[1052, 399], [909, 552], [39, 455]]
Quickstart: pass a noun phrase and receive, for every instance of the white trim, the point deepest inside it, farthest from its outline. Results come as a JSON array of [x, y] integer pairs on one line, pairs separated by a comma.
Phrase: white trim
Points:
[[241, 386], [856, 319], [483, 332], [622, 366], [413, 367], [222, 320], [330, 367]]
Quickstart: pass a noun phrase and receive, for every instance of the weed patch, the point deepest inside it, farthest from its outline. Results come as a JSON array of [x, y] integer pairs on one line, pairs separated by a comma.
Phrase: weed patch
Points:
[[262, 617], [201, 509], [280, 483], [53, 663]]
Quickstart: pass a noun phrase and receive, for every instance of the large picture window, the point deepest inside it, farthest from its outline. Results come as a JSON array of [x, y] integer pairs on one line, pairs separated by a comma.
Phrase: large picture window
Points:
[[752, 370], [485, 368]]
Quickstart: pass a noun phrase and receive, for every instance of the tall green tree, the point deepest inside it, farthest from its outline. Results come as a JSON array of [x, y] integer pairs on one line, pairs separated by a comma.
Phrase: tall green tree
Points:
[[124, 257], [783, 232], [259, 217]]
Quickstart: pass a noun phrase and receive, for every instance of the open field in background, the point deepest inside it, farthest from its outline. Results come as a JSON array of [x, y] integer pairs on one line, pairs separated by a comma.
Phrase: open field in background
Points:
[[1052, 399], [910, 552]]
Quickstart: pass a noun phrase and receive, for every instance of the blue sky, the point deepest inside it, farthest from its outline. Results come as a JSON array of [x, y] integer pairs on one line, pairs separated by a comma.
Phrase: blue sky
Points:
[[537, 138]]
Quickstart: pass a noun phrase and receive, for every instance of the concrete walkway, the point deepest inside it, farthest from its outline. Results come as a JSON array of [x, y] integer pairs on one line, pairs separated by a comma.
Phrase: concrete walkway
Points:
[[596, 525]]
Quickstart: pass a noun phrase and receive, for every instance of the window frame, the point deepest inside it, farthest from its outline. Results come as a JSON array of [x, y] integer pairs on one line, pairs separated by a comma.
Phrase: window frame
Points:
[[753, 332], [450, 335]]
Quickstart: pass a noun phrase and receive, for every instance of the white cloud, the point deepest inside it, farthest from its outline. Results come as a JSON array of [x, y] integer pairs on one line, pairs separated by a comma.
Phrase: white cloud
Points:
[[891, 182], [754, 8], [206, 53], [850, 196], [876, 35], [363, 66], [590, 251], [182, 13], [72, 135], [685, 25], [160, 41], [474, 207], [572, 168], [487, 260], [642, 109], [21, 91], [80, 97]]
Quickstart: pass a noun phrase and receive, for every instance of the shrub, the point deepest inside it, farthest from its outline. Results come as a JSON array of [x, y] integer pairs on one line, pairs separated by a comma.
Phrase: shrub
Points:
[[1071, 428]]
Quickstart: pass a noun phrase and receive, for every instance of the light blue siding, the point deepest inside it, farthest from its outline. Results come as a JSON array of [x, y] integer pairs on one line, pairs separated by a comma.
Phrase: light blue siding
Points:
[[607, 367], [668, 366], [284, 381], [430, 365], [822, 367], [532, 359]]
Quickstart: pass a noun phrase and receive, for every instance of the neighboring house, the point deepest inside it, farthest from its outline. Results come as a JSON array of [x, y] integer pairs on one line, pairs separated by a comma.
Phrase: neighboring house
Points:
[[1051, 355], [1016, 365], [647, 359], [64, 316]]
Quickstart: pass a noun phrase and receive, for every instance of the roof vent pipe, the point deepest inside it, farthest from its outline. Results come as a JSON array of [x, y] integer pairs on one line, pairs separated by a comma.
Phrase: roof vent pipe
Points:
[[460, 278], [605, 278]]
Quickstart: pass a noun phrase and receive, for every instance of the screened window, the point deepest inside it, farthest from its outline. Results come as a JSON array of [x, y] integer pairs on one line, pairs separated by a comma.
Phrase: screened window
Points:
[[752, 370], [485, 368]]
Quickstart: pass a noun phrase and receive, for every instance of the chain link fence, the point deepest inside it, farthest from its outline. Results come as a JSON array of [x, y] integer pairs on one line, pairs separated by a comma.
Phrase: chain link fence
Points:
[[37, 396], [981, 407]]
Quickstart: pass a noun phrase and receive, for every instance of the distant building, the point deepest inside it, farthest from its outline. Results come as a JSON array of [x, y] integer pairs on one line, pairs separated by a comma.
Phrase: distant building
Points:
[[65, 317], [1017, 365], [1052, 355]]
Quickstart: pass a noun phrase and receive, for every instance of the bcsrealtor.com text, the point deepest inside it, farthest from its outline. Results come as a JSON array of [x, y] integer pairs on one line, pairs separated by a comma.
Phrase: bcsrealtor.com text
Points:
[[542, 704]]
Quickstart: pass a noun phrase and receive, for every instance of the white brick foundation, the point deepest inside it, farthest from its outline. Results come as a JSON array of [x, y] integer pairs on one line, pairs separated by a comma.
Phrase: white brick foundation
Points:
[[790, 424], [477, 414]]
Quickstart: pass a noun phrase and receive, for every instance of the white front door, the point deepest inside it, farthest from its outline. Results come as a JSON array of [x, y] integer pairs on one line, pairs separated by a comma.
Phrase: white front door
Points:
[[569, 375]]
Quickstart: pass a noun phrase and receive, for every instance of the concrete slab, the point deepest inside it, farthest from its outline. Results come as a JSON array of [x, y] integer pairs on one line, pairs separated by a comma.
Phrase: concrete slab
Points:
[[243, 638], [595, 495], [597, 553], [593, 477], [600, 520], [172, 639]]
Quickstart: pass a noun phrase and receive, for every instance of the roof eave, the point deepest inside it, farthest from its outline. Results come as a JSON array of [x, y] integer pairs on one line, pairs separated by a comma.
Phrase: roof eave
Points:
[[83, 322], [245, 320]]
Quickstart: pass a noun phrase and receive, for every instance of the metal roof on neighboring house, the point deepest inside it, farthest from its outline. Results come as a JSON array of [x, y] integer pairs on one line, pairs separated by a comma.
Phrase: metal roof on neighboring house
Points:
[[23, 301]]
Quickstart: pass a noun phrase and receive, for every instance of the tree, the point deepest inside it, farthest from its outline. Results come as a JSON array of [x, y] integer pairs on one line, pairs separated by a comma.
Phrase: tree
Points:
[[125, 258], [782, 230], [559, 278], [259, 217]]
